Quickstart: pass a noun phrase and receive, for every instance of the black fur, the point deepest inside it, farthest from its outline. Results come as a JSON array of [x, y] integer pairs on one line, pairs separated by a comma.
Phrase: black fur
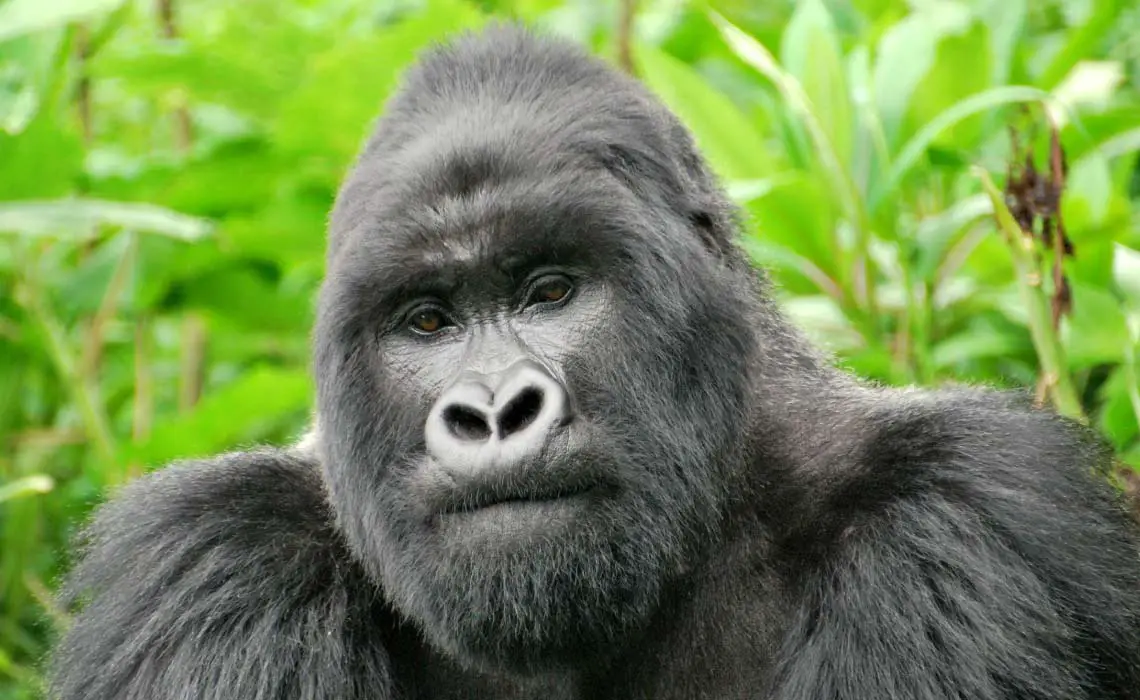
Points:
[[760, 525]]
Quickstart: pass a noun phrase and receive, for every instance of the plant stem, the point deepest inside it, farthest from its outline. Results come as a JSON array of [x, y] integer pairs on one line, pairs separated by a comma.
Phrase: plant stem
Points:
[[624, 35], [83, 392], [1050, 352]]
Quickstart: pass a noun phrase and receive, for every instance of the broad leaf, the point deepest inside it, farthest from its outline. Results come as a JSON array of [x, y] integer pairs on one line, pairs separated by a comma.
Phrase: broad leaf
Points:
[[77, 218], [906, 54], [23, 487], [240, 411], [730, 140], [810, 51]]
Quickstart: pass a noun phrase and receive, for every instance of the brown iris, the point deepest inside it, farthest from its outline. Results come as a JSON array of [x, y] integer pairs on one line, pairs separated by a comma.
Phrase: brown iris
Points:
[[551, 291], [427, 321]]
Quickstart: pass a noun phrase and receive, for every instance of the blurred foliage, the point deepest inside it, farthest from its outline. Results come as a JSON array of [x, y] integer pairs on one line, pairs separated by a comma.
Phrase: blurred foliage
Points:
[[166, 169]]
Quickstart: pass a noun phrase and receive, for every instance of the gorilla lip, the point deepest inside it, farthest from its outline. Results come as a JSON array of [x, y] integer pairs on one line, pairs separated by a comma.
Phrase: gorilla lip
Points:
[[486, 500], [540, 483]]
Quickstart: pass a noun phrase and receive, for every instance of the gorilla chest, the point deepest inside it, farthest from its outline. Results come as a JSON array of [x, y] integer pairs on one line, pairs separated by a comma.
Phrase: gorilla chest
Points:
[[714, 638]]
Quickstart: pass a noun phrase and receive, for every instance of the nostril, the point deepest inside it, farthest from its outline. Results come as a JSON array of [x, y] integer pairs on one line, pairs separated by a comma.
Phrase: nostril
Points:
[[466, 423], [520, 411]]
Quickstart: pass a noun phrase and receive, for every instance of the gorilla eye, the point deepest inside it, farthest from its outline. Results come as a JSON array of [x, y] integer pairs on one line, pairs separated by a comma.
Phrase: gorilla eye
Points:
[[427, 320], [550, 290]]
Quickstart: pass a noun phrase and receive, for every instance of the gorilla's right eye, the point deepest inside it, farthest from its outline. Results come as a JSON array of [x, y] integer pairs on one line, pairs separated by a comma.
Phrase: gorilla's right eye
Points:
[[550, 290], [427, 320]]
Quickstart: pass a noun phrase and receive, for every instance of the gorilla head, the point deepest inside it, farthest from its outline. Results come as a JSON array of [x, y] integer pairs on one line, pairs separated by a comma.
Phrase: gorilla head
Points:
[[534, 353]]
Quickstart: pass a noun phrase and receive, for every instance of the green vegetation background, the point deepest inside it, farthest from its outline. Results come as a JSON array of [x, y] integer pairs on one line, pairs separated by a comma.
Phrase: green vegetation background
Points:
[[166, 167]]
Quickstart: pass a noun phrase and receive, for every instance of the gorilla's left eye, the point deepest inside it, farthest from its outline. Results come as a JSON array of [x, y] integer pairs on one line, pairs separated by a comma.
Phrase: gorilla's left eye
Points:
[[427, 320], [552, 289]]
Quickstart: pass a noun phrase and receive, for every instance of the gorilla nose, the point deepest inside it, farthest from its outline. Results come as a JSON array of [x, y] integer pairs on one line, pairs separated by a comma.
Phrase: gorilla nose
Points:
[[479, 423]]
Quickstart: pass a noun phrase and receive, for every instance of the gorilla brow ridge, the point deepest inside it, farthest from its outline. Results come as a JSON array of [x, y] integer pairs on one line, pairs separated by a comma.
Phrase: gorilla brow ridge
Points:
[[398, 265]]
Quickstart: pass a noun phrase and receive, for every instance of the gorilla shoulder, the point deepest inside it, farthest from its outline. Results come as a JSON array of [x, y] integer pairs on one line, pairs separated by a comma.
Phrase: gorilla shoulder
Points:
[[220, 579], [968, 534]]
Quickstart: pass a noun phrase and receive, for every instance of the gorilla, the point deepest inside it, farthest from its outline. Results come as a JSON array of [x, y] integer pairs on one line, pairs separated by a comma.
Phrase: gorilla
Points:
[[567, 447]]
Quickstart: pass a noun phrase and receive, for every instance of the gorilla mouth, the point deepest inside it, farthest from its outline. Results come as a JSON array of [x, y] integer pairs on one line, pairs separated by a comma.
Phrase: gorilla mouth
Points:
[[485, 499], [538, 484]]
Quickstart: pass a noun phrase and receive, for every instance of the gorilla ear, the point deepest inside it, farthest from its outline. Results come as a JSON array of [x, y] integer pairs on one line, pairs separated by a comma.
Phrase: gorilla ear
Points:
[[702, 222], [675, 186]]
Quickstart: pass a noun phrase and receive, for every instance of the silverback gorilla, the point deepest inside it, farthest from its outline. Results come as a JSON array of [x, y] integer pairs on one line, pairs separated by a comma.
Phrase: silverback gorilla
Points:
[[569, 448]]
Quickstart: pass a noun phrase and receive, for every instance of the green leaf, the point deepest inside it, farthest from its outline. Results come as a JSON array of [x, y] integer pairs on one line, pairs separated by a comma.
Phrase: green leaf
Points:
[[77, 218], [731, 141], [1132, 457], [912, 152], [1088, 194], [1121, 144], [240, 411], [1081, 42], [936, 233], [824, 322], [1097, 331], [1118, 418], [797, 216], [756, 55], [330, 111], [1006, 23], [197, 73], [238, 293], [1094, 259], [961, 68], [288, 230], [29, 71], [794, 272], [979, 343], [810, 51], [905, 55], [1126, 272], [42, 161], [30, 485], [26, 16], [239, 178]]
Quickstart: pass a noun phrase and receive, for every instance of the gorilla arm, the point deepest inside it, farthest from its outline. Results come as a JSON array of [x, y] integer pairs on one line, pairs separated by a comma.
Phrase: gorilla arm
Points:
[[977, 556], [221, 579]]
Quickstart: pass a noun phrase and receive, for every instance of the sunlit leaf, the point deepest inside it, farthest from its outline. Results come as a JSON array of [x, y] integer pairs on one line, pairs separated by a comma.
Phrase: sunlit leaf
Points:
[[1126, 271], [936, 233], [26, 486], [729, 139], [756, 55], [1080, 41], [1006, 23], [810, 51], [961, 68], [914, 149], [906, 54], [77, 217], [25, 16]]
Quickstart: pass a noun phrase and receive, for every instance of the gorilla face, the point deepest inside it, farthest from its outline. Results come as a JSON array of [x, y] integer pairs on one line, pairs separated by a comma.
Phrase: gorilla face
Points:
[[528, 404]]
